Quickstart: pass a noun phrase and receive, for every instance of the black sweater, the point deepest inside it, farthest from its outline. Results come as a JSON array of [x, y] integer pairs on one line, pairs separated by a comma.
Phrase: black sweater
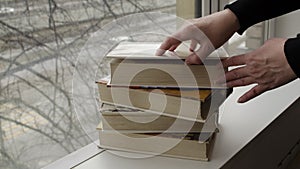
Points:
[[250, 12]]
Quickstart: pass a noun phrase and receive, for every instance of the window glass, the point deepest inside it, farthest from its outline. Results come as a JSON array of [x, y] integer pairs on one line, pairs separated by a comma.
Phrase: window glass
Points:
[[39, 42]]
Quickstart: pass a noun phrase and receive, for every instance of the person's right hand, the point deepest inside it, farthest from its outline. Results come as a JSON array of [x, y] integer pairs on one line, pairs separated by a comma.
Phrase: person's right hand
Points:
[[267, 67], [210, 32]]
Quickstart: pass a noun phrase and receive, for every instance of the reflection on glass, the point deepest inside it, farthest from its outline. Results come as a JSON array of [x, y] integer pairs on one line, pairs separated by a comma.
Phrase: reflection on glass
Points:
[[39, 44]]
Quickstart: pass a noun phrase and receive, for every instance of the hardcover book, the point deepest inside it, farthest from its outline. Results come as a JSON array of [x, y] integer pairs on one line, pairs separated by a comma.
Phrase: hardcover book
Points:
[[127, 120], [187, 146], [134, 64], [189, 104]]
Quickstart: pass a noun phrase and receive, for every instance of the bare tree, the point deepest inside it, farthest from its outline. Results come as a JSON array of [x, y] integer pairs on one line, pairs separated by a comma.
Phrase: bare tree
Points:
[[39, 42]]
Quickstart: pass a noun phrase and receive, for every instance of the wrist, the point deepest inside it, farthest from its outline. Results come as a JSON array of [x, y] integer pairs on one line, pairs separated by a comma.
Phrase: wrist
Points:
[[232, 19]]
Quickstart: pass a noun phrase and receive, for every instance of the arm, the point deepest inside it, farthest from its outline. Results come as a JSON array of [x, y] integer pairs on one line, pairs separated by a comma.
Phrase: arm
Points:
[[276, 63], [210, 32], [250, 12]]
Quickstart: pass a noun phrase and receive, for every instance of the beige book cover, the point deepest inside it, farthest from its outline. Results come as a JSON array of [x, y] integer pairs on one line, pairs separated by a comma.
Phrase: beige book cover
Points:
[[186, 147], [154, 102], [147, 50], [135, 121], [186, 104], [134, 64]]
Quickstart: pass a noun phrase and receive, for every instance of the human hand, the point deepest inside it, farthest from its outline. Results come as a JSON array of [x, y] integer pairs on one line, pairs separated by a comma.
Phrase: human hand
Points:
[[267, 67], [210, 32]]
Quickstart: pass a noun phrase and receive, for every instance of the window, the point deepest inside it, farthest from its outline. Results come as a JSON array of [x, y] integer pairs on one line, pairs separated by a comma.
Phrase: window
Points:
[[39, 42]]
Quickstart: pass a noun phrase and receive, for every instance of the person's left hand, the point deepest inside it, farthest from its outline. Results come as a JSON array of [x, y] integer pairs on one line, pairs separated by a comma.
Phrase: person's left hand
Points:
[[266, 66], [210, 32]]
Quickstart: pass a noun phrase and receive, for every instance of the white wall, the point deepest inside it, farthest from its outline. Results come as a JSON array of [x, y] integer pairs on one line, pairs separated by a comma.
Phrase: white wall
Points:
[[288, 25]]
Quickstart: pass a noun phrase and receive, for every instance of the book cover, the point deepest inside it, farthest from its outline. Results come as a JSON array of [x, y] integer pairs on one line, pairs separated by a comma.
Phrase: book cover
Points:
[[128, 120], [134, 64], [189, 104], [186, 146]]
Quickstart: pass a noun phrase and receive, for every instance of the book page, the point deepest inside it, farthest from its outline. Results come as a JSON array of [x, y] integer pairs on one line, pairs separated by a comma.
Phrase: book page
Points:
[[144, 50], [147, 50]]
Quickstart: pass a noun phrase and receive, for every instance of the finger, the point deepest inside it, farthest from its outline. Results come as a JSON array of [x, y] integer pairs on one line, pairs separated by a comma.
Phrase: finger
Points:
[[236, 73], [254, 92], [166, 45], [234, 61], [240, 82], [193, 45], [193, 59], [173, 47], [199, 55]]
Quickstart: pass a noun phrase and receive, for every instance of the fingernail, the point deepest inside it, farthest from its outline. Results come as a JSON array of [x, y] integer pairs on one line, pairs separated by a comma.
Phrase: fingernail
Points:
[[159, 52], [241, 100]]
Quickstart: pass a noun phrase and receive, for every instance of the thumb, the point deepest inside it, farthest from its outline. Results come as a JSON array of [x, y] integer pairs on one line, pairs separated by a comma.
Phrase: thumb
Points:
[[199, 55], [193, 59], [193, 45]]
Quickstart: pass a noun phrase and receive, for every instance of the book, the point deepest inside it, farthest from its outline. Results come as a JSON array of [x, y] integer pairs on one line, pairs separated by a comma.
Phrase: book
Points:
[[159, 105], [134, 64], [186, 146], [189, 104], [147, 50], [144, 50], [127, 120]]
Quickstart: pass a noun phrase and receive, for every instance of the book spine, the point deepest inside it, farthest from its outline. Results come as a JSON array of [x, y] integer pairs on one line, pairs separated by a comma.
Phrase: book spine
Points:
[[173, 105]]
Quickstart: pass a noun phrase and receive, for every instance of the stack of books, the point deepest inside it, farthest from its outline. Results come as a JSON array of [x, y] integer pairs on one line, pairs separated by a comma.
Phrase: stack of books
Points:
[[159, 105]]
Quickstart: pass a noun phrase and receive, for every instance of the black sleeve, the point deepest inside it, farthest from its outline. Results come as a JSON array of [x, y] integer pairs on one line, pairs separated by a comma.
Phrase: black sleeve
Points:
[[292, 53], [250, 12]]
